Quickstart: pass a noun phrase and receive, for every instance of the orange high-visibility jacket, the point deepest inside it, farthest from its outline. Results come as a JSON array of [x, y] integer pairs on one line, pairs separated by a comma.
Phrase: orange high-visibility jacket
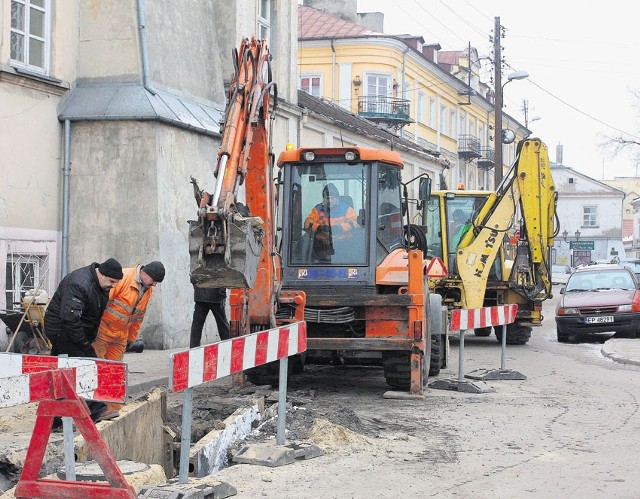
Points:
[[124, 313]]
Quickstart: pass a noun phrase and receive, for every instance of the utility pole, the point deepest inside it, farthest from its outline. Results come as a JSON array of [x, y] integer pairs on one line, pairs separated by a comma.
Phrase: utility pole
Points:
[[497, 63]]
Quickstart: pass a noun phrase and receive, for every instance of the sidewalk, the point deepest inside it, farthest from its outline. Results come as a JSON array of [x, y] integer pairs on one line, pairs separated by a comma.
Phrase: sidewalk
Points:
[[625, 351], [148, 369]]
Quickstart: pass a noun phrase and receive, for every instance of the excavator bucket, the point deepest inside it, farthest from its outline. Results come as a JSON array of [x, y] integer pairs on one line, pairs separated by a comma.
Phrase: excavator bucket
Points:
[[238, 265]]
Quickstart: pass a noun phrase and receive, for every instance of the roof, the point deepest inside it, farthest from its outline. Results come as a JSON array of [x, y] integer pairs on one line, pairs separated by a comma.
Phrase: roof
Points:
[[451, 56], [131, 101], [313, 23], [347, 120]]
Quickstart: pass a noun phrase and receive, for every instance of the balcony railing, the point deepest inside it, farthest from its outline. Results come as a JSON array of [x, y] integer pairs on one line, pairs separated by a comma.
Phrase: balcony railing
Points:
[[487, 159], [384, 109], [468, 146]]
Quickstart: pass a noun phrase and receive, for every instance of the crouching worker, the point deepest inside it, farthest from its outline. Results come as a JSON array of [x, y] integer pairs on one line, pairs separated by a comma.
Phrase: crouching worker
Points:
[[122, 319]]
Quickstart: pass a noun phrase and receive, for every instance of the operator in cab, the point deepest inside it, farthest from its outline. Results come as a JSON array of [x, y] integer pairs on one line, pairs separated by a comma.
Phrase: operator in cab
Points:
[[329, 221]]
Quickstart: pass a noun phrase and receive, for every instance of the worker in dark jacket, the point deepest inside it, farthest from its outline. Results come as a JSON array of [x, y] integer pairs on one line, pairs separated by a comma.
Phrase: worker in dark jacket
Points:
[[73, 314], [208, 299]]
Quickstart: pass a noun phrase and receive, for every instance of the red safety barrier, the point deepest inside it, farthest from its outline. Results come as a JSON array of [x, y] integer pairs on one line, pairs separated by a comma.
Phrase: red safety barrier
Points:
[[99, 379], [55, 390], [473, 318], [210, 362]]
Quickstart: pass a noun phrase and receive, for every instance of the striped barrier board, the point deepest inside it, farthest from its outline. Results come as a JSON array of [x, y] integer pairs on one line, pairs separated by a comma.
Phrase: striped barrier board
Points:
[[210, 362], [96, 379], [473, 318]]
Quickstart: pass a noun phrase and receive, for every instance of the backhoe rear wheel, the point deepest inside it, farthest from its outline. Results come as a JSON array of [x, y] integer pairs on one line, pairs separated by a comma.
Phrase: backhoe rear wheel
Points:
[[517, 334]]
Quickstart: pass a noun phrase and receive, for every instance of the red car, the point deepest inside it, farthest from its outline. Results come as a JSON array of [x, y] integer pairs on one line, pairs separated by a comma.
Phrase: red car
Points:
[[599, 299]]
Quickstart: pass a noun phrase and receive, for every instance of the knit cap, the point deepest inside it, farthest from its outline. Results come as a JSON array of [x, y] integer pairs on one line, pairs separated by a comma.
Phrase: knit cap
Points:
[[155, 270], [111, 268]]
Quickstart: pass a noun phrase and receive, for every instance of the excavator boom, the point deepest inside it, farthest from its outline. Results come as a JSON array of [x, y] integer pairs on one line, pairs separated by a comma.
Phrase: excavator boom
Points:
[[227, 239]]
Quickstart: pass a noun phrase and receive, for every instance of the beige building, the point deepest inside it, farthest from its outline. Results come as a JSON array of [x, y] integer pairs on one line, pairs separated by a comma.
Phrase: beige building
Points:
[[430, 97]]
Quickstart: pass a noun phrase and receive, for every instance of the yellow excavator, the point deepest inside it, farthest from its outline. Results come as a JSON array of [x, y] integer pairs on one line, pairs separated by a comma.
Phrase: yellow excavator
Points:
[[496, 245]]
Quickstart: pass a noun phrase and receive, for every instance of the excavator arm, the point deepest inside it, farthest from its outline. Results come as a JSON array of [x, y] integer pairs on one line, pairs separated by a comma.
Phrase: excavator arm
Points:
[[527, 190], [227, 239]]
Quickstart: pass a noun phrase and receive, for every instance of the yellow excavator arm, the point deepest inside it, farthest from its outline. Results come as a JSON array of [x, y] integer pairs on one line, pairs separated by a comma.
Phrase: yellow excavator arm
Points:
[[528, 185]]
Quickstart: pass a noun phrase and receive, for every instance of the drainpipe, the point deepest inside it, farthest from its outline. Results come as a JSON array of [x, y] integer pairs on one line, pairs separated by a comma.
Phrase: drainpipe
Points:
[[144, 53], [65, 197], [333, 72]]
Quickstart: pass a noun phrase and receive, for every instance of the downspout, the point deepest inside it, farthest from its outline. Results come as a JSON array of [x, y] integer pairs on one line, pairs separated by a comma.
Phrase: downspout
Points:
[[144, 53], [333, 72], [65, 197]]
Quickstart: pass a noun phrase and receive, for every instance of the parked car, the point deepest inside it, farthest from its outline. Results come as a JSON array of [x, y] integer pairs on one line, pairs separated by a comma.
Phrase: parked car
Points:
[[560, 274], [599, 299], [633, 264]]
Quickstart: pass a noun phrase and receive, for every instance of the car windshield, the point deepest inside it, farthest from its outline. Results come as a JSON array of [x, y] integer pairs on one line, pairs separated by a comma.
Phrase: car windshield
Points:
[[600, 280]]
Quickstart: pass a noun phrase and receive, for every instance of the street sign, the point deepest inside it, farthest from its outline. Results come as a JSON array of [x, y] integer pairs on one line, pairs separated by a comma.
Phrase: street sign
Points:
[[581, 245]]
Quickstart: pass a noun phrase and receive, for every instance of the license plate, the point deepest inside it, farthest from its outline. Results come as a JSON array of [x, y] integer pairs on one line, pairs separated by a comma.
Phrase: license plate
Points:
[[599, 320]]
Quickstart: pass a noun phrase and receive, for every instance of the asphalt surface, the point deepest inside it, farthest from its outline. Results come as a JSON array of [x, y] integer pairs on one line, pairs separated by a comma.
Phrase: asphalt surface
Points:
[[152, 367]]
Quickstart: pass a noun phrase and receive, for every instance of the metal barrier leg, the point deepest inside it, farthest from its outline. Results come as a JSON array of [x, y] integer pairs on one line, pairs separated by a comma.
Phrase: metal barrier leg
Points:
[[498, 374], [282, 400], [185, 440]]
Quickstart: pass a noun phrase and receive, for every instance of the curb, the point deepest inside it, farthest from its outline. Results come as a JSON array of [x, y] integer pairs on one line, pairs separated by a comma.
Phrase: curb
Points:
[[610, 352]]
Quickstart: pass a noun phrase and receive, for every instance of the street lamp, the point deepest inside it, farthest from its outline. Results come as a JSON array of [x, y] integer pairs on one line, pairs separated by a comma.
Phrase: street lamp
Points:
[[564, 235], [577, 235], [516, 75]]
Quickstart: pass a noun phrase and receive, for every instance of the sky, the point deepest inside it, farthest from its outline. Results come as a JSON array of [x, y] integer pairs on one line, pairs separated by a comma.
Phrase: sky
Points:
[[582, 59]]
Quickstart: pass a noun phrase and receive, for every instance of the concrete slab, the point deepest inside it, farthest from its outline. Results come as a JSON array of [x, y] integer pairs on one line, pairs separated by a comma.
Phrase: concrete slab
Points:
[[195, 488], [273, 455], [392, 394]]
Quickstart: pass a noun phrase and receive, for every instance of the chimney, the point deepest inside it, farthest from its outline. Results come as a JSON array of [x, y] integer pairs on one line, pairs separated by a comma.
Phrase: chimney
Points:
[[431, 51], [559, 154], [344, 9]]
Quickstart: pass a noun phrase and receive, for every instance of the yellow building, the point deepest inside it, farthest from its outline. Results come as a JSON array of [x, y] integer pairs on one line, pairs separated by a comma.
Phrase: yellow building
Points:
[[430, 97]]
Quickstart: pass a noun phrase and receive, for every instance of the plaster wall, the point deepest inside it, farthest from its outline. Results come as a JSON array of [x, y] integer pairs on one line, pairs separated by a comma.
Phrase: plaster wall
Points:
[[30, 148]]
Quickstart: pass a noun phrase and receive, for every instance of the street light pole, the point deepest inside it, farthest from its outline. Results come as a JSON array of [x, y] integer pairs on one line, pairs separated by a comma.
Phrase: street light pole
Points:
[[497, 136]]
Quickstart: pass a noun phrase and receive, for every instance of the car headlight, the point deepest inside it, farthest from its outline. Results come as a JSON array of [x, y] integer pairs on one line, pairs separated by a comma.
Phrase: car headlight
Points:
[[568, 311], [625, 308]]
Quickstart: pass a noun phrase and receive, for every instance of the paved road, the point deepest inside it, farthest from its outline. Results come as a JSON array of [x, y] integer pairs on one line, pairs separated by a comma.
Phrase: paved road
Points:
[[570, 430]]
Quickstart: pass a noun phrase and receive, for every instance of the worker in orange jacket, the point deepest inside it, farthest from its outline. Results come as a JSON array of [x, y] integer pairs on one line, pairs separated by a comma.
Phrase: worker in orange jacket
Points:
[[122, 319]]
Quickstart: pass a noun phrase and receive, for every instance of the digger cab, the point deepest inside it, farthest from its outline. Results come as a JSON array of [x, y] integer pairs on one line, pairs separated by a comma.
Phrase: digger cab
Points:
[[341, 214]]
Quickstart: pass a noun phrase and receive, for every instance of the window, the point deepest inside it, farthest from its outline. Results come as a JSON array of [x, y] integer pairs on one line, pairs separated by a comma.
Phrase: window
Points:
[[462, 122], [264, 19], [452, 123], [378, 88], [29, 37], [421, 109], [311, 84], [443, 119], [481, 135], [589, 216], [432, 112], [23, 273]]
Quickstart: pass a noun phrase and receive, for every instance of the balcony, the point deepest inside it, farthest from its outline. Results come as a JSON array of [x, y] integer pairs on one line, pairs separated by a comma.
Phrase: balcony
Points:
[[382, 109], [487, 159], [468, 147]]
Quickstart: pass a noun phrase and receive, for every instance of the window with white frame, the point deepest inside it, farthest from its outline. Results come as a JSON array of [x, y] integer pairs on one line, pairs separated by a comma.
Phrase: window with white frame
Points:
[[377, 89], [589, 216], [481, 135], [452, 123], [29, 34], [462, 124], [264, 19], [481, 179], [24, 273], [432, 112], [472, 126], [311, 84], [421, 108], [443, 118]]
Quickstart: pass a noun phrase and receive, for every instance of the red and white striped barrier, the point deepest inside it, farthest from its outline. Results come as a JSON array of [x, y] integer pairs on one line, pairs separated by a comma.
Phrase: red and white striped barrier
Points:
[[95, 379], [473, 318], [207, 363]]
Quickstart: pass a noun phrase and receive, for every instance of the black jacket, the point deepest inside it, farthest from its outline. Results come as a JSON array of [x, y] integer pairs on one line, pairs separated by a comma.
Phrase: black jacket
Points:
[[75, 310], [209, 295]]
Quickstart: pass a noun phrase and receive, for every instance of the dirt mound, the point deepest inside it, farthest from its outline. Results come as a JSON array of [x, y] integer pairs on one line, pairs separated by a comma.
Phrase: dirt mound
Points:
[[330, 436]]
